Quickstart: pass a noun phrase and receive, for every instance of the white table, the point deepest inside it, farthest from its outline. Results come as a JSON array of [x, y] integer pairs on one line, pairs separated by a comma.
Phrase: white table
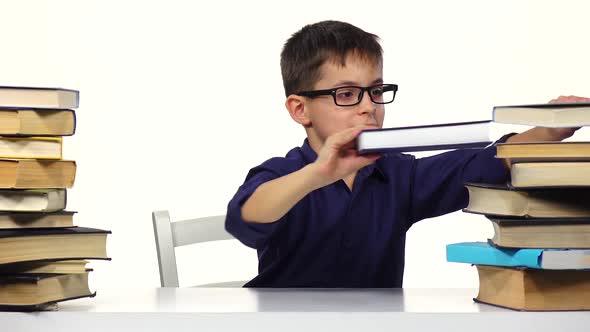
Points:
[[281, 310]]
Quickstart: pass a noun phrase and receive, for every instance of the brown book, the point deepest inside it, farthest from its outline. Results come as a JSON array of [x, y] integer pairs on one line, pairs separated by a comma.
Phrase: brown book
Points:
[[533, 289], [544, 151], [36, 220], [26, 245], [544, 115], [37, 122], [33, 97], [30, 147], [34, 200], [33, 173], [505, 201], [32, 291], [564, 233], [53, 267], [550, 174]]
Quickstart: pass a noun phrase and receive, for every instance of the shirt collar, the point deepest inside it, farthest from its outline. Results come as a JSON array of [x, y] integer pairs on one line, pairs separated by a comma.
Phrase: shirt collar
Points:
[[374, 169]]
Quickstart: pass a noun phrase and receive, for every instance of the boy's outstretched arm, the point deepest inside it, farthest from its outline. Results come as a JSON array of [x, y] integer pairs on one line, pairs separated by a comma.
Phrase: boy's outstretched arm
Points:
[[539, 134], [438, 181], [337, 159]]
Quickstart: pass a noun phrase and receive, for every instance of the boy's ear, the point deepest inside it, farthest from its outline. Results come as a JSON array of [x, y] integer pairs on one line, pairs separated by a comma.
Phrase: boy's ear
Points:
[[296, 107]]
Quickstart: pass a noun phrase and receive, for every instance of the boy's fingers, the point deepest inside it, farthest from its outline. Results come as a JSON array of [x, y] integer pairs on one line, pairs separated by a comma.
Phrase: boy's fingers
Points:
[[346, 136], [569, 99]]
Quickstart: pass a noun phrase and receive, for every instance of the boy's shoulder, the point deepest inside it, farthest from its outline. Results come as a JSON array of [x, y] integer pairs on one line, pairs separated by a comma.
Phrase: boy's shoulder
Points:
[[293, 161]]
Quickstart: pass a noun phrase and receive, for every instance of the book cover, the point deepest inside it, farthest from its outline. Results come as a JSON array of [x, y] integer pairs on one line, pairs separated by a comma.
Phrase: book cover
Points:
[[482, 253], [9, 233], [486, 253]]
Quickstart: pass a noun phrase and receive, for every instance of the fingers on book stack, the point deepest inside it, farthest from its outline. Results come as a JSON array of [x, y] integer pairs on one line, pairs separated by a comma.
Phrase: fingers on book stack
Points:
[[539, 256], [43, 255]]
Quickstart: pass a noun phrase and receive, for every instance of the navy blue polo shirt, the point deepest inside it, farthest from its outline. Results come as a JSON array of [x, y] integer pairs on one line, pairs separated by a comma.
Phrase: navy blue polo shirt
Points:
[[335, 237]]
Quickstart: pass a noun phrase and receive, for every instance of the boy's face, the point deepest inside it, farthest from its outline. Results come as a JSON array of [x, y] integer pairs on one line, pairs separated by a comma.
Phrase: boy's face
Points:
[[327, 118]]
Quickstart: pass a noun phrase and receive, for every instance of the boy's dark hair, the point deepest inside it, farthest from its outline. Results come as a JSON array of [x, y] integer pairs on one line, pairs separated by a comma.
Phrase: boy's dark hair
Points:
[[309, 48]]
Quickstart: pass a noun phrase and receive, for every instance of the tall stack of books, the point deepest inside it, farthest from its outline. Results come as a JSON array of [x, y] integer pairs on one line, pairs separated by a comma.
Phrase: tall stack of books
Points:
[[539, 257], [42, 253]]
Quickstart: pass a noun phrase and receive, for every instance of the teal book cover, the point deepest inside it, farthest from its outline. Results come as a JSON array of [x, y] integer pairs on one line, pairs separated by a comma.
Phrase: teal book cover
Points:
[[482, 253]]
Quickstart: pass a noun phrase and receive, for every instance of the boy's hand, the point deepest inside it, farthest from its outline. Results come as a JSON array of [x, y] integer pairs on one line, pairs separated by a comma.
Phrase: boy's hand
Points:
[[539, 134], [339, 157], [559, 134], [569, 99]]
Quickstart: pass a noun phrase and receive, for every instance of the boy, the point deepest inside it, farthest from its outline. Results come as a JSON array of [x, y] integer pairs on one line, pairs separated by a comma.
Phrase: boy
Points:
[[324, 216]]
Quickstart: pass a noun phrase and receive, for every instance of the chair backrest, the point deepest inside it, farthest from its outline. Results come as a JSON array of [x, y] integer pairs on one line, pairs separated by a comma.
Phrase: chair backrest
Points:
[[170, 235]]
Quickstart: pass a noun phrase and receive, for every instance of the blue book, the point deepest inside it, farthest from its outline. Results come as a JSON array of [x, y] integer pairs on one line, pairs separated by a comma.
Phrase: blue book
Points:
[[482, 253]]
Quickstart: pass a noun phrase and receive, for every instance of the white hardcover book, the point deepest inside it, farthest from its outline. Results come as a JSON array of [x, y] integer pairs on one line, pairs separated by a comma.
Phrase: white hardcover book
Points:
[[425, 138]]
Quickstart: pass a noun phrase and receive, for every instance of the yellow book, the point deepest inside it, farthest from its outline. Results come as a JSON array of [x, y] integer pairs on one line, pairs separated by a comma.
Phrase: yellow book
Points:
[[30, 147], [544, 151]]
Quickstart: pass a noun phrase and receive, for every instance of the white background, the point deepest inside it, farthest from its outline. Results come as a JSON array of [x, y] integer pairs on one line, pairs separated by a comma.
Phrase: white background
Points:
[[179, 99]]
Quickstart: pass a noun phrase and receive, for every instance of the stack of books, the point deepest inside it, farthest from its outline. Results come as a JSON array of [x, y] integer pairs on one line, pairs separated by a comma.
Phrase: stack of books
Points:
[[539, 256], [42, 253]]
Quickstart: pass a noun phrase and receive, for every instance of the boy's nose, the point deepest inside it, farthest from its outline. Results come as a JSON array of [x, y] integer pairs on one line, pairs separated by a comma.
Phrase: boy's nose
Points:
[[366, 105]]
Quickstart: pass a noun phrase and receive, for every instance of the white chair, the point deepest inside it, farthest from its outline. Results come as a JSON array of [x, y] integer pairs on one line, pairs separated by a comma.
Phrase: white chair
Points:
[[170, 235]]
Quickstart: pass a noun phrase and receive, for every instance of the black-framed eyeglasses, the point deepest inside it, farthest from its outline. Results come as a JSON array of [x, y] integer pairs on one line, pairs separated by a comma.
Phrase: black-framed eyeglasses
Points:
[[352, 95]]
